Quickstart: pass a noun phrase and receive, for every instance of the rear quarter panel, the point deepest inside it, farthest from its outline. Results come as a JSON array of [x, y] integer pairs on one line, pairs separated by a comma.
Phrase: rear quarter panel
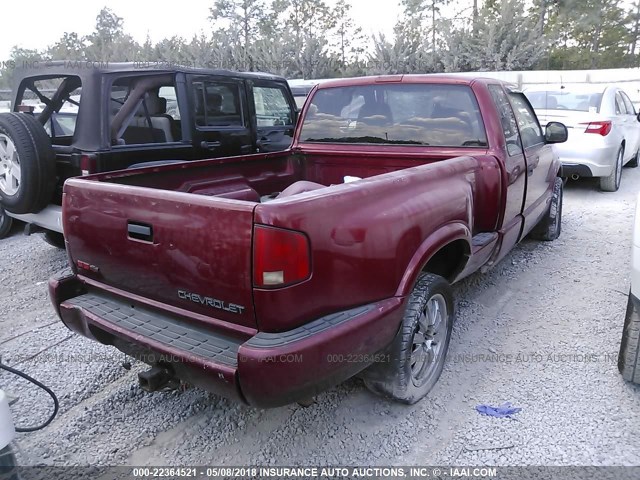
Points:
[[364, 234]]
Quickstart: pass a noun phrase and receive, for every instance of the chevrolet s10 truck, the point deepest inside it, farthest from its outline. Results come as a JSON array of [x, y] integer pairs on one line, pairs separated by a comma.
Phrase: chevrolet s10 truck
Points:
[[270, 277]]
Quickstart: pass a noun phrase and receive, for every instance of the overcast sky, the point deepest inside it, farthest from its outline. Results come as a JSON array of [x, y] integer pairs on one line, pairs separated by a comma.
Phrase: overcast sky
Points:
[[41, 23]]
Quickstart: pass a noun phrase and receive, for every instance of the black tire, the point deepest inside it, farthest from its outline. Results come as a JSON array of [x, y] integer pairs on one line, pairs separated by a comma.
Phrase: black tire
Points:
[[36, 159], [414, 365], [5, 223], [55, 239], [550, 227], [612, 182], [633, 163], [629, 357]]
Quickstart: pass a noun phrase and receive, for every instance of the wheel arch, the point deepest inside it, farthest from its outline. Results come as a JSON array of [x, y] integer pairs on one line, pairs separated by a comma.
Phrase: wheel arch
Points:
[[445, 252]]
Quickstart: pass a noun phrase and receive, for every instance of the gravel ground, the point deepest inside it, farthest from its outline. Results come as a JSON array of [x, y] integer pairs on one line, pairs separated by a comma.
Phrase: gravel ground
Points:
[[540, 330]]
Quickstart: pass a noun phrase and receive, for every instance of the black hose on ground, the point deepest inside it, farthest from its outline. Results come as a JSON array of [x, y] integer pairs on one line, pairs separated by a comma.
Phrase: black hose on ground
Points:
[[43, 387]]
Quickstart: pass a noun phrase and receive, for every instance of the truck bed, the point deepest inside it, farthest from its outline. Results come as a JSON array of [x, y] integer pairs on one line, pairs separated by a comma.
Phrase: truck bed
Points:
[[254, 177], [164, 231]]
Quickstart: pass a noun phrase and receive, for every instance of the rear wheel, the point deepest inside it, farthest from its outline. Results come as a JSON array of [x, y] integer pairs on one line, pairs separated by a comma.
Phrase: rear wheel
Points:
[[5, 223], [27, 164], [633, 163], [612, 182], [418, 353]]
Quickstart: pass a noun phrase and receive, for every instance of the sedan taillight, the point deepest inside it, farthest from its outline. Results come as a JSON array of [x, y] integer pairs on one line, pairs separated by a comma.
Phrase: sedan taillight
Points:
[[280, 257], [601, 128]]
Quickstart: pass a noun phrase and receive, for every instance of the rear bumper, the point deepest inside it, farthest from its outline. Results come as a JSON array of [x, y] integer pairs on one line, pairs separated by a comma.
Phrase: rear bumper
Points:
[[263, 370], [594, 158], [570, 169]]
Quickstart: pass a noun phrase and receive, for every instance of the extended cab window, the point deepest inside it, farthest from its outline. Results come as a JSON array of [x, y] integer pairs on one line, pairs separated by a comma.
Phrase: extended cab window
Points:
[[272, 107], [530, 130], [217, 104], [404, 114], [507, 120]]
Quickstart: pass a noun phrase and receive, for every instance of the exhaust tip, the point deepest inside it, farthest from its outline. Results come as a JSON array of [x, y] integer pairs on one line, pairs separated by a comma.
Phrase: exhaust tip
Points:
[[575, 176]]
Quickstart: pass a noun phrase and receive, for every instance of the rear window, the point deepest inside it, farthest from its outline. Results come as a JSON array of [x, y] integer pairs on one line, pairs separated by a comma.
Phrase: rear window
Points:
[[60, 121], [404, 114], [565, 100]]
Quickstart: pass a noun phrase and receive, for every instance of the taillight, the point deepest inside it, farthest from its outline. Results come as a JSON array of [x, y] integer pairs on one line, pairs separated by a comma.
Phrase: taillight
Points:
[[88, 164], [280, 257], [601, 128]]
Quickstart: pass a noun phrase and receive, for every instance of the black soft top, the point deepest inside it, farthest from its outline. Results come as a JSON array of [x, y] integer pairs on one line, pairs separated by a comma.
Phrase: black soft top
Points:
[[91, 134], [88, 69]]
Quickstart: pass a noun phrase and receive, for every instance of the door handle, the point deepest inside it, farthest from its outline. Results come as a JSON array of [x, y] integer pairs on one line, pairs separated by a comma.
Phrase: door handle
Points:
[[210, 145], [140, 231]]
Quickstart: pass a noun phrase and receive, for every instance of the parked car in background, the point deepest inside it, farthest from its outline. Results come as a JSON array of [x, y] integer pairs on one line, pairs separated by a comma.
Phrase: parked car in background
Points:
[[90, 120], [301, 89], [300, 93], [629, 357], [275, 276], [604, 130]]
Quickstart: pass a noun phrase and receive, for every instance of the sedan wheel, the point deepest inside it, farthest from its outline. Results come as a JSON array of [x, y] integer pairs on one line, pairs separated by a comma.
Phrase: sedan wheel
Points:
[[612, 182]]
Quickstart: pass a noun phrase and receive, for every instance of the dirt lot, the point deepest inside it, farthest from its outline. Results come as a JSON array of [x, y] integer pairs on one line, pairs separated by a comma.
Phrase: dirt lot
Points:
[[541, 330]]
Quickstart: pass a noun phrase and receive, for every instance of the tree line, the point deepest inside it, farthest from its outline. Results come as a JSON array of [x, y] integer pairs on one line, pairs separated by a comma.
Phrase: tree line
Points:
[[311, 39]]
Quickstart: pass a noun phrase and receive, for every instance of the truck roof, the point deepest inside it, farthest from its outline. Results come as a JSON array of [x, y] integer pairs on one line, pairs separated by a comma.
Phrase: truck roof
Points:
[[84, 69], [454, 79]]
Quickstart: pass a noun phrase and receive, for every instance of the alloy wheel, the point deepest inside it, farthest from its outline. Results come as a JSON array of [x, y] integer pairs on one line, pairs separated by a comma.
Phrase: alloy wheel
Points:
[[429, 339], [9, 166]]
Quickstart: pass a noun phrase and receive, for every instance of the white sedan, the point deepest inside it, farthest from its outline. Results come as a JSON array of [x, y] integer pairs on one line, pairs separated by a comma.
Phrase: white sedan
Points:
[[604, 130], [629, 358]]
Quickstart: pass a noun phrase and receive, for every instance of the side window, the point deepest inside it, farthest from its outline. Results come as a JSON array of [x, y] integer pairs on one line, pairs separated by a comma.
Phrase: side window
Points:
[[142, 116], [507, 119], [530, 130], [170, 99], [272, 107], [627, 103], [620, 107], [217, 104]]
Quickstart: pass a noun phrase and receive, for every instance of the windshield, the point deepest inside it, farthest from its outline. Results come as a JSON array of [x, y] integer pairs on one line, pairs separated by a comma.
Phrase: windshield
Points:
[[404, 114], [565, 100]]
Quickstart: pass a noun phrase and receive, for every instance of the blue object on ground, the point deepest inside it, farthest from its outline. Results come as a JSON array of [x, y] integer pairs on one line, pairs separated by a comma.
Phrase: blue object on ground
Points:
[[504, 410]]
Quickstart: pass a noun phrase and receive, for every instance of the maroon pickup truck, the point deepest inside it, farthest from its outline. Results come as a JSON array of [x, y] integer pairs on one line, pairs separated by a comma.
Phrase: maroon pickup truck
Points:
[[270, 277]]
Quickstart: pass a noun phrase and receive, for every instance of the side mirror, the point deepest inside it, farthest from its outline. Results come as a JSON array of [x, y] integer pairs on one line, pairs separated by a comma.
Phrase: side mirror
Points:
[[556, 132]]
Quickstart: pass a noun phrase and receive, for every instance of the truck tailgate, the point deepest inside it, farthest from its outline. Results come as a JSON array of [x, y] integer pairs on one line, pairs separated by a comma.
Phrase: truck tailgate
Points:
[[188, 251]]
